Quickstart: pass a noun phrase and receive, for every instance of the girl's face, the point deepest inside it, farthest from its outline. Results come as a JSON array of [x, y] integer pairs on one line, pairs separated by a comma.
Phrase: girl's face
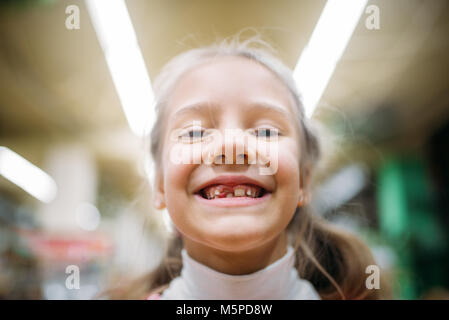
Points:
[[230, 206]]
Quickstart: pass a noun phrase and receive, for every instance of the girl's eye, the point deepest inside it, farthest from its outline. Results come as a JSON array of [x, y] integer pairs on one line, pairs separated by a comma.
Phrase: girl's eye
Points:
[[266, 133], [192, 135]]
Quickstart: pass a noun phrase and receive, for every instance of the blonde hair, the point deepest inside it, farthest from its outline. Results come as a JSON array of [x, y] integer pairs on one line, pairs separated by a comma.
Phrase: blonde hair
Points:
[[333, 260]]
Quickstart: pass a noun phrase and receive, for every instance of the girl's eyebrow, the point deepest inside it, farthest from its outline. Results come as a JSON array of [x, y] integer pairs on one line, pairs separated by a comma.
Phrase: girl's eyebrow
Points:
[[208, 107], [271, 107], [194, 108]]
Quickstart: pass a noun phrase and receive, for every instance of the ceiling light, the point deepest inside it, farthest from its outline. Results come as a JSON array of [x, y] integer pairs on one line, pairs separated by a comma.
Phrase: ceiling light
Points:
[[27, 176], [118, 40], [325, 47]]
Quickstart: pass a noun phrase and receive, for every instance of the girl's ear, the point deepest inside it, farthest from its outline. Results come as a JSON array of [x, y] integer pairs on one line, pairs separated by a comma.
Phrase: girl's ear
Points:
[[159, 196], [159, 202], [304, 194], [304, 197]]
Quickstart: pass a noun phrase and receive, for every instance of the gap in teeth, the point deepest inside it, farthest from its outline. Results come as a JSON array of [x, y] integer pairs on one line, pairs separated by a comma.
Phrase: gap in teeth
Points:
[[223, 191]]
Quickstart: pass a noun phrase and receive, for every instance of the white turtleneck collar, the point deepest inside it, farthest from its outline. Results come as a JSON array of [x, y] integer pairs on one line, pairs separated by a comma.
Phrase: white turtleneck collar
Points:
[[277, 281]]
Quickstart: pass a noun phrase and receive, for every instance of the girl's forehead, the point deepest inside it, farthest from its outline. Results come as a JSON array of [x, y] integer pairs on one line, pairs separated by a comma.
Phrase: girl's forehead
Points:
[[229, 80]]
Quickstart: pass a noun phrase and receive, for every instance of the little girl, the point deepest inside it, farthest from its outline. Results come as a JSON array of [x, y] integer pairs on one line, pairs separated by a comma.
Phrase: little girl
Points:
[[243, 227]]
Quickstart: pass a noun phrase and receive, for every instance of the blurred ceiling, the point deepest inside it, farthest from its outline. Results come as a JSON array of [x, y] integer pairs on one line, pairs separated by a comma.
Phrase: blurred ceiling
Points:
[[391, 84]]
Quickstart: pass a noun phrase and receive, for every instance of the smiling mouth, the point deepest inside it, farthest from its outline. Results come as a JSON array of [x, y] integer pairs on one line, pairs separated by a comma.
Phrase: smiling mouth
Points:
[[228, 191], [220, 191]]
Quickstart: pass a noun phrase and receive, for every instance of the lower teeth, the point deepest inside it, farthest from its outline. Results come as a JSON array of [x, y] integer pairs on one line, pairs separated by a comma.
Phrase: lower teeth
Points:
[[230, 195]]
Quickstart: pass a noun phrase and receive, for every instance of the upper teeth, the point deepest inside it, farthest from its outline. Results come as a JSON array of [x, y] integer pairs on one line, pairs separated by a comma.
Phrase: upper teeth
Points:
[[221, 191]]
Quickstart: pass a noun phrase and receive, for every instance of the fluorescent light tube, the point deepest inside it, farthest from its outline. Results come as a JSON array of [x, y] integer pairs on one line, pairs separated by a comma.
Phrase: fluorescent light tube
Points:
[[27, 176], [118, 40], [325, 47]]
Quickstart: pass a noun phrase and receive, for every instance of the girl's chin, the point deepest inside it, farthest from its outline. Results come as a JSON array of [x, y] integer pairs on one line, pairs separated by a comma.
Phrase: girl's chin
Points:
[[235, 241], [234, 231]]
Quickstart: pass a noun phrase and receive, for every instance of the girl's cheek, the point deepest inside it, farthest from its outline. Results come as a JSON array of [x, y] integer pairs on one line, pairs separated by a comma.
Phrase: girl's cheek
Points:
[[177, 176], [288, 165], [176, 170]]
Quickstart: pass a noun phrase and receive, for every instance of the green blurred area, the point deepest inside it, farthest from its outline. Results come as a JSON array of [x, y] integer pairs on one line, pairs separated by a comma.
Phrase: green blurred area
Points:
[[410, 221]]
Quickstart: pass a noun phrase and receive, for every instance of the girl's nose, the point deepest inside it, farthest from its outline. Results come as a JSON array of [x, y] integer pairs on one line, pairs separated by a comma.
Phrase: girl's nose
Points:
[[232, 148], [234, 158]]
